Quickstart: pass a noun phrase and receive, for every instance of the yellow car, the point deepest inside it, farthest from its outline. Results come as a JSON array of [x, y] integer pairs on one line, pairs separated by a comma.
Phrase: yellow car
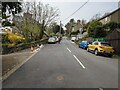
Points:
[[101, 47]]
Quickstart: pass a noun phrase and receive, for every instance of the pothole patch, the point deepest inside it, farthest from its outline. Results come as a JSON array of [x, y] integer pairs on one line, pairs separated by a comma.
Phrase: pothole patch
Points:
[[60, 78]]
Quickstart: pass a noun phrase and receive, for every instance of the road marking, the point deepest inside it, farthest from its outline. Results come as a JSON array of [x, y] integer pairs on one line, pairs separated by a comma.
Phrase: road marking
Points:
[[100, 88], [79, 61], [68, 49], [60, 78]]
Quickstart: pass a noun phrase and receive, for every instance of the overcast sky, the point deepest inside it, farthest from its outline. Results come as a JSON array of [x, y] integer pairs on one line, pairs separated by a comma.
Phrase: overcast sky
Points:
[[86, 12], [67, 7]]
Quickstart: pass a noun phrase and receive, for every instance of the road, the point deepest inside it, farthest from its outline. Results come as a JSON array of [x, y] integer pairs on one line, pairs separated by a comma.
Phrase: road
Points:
[[65, 66]]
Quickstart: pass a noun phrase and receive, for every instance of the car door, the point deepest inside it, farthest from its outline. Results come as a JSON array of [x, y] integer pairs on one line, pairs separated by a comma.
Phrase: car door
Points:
[[82, 44], [94, 45], [91, 46]]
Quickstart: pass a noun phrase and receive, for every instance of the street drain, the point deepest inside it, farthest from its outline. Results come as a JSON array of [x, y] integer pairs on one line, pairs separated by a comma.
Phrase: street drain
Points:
[[60, 78]]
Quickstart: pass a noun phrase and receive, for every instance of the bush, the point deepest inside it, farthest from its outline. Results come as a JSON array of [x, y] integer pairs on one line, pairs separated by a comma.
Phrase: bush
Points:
[[22, 46]]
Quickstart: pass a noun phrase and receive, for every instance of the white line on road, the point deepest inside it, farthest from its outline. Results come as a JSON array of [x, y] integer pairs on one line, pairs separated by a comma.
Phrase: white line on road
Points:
[[68, 49], [79, 61]]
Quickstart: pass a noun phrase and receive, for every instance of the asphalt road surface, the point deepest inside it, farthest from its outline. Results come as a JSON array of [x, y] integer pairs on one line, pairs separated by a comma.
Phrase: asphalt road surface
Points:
[[65, 65]]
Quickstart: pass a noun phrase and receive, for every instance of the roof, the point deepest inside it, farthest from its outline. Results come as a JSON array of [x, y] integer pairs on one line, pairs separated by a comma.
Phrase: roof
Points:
[[109, 14]]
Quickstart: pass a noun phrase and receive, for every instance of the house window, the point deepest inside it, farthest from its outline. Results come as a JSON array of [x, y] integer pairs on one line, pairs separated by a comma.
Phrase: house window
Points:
[[107, 19]]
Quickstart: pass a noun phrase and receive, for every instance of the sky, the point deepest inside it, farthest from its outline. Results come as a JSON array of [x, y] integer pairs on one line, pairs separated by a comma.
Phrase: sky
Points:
[[67, 7], [86, 12]]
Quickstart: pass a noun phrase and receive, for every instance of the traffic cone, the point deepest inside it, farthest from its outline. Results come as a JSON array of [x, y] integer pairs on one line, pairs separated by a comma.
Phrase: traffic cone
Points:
[[32, 49]]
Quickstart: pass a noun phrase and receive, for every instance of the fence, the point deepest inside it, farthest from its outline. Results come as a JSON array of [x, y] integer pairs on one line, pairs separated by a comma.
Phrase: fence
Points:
[[7, 50], [116, 44]]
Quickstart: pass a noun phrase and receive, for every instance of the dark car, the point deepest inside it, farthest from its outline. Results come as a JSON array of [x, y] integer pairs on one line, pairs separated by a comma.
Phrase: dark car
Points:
[[84, 44]]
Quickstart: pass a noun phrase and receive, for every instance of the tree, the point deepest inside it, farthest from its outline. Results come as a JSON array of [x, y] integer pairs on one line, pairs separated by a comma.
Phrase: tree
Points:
[[55, 28], [75, 32], [69, 26], [111, 26], [12, 7], [46, 15], [96, 17], [38, 18], [93, 27], [99, 31], [6, 23], [106, 14], [31, 29]]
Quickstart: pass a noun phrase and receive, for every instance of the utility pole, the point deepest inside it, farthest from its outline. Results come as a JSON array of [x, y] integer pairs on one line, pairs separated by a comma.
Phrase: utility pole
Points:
[[60, 27], [0, 14]]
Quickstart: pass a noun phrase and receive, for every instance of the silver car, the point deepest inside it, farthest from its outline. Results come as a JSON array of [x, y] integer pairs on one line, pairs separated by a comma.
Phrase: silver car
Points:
[[52, 40]]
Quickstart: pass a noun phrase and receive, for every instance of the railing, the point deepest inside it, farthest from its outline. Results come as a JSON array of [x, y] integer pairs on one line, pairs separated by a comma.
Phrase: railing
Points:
[[6, 50]]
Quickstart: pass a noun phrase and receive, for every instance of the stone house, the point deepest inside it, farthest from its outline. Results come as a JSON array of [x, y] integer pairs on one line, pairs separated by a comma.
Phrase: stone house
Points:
[[114, 36], [111, 17]]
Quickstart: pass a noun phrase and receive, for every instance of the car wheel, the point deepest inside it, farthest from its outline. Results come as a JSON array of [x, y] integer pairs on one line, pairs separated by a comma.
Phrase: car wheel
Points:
[[96, 52], [110, 55], [85, 48]]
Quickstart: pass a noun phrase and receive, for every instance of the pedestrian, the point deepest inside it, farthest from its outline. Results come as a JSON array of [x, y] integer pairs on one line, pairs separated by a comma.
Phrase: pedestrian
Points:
[[60, 38]]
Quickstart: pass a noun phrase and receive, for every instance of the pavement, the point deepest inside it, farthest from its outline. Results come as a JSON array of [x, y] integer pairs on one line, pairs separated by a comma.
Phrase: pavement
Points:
[[11, 62], [65, 65]]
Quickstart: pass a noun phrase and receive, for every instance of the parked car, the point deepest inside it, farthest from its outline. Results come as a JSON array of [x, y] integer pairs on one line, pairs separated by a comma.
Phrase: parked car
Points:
[[101, 48], [84, 44], [73, 38], [52, 40], [56, 38]]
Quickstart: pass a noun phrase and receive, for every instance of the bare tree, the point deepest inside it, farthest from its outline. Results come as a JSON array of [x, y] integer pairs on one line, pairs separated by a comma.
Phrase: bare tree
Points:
[[96, 17], [106, 13], [46, 15], [43, 14]]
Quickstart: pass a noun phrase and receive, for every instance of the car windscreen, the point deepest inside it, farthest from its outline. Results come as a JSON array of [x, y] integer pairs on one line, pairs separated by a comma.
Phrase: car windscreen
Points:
[[90, 42], [51, 38], [105, 44]]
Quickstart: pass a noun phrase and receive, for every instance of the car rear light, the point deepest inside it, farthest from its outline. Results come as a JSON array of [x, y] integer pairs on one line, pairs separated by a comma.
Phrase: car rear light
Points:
[[101, 46], [113, 48]]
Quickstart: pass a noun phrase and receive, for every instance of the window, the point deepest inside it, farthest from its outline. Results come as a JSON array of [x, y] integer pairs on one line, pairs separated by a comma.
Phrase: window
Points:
[[105, 44], [95, 43]]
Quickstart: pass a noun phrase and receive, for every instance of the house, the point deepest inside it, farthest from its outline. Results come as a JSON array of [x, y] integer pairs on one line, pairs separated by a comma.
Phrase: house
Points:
[[78, 25], [111, 17], [114, 39], [114, 36]]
